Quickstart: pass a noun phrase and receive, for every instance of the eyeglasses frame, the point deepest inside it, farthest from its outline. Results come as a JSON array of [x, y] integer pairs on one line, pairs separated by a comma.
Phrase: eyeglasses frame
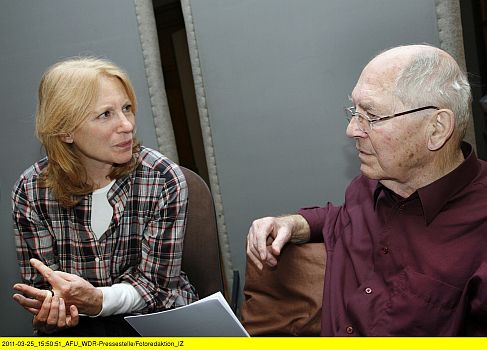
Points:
[[353, 111]]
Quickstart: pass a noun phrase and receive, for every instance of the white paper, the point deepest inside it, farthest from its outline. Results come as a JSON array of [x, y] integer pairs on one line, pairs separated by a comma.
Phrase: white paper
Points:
[[208, 317]]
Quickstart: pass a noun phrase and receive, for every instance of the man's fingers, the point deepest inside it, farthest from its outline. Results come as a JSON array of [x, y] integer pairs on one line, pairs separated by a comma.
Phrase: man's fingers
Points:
[[271, 259], [276, 247], [253, 255], [265, 240], [256, 261], [252, 249], [258, 234], [280, 240]]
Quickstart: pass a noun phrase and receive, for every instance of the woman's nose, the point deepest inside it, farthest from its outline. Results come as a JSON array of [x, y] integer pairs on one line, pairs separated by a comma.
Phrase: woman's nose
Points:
[[126, 123]]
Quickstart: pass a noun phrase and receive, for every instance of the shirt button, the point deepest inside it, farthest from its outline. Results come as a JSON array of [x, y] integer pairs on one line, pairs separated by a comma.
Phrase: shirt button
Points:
[[349, 329], [368, 290], [97, 259], [385, 250]]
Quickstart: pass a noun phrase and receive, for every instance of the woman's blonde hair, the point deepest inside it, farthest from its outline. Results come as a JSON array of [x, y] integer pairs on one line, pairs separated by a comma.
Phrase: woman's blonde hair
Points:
[[67, 92]]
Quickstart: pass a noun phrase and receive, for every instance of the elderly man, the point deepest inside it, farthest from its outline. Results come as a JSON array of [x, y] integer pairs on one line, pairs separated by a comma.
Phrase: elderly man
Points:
[[407, 251]]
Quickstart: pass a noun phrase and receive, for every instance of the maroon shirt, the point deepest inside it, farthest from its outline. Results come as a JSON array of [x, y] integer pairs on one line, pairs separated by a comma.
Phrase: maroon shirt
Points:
[[407, 267]]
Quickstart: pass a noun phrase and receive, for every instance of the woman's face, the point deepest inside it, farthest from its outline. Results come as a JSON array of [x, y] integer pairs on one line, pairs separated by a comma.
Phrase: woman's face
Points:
[[105, 137]]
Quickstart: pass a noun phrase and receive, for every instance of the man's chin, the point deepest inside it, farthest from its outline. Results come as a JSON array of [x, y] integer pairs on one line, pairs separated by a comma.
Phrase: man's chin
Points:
[[368, 172]]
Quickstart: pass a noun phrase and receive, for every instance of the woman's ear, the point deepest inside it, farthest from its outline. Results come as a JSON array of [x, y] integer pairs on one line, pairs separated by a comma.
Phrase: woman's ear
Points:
[[67, 137], [441, 129]]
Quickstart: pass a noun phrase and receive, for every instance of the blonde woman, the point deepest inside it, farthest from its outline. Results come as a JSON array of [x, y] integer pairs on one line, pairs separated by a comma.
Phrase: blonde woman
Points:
[[99, 222]]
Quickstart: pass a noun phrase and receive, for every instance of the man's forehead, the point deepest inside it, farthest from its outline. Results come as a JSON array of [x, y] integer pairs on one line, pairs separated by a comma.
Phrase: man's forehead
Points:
[[377, 82], [370, 93]]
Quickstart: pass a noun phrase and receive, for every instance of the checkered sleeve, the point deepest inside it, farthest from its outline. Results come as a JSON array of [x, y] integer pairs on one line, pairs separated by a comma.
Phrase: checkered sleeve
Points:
[[32, 238], [158, 276]]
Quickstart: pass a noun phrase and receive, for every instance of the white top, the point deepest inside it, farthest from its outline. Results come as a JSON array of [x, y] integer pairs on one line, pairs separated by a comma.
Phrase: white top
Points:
[[102, 211], [120, 298]]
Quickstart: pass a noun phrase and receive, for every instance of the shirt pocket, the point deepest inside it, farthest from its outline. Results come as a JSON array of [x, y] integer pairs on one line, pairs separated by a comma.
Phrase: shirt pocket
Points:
[[409, 304], [422, 306]]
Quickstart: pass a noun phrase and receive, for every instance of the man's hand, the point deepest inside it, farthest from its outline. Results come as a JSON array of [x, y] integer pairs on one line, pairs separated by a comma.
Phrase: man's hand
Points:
[[73, 289], [268, 235]]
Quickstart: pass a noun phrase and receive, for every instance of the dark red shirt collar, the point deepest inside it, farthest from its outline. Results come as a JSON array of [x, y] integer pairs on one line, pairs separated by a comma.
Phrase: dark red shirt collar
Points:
[[434, 196]]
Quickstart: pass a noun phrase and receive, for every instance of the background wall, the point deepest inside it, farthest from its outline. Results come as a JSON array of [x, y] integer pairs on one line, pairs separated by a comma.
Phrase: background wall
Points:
[[277, 75], [33, 35]]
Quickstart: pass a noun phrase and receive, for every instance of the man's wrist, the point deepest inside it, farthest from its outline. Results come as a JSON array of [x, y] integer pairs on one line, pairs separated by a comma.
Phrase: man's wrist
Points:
[[301, 231]]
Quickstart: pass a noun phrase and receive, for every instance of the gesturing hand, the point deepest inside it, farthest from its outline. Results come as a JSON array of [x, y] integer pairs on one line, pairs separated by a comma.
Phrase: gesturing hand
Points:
[[52, 315], [73, 289], [49, 311]]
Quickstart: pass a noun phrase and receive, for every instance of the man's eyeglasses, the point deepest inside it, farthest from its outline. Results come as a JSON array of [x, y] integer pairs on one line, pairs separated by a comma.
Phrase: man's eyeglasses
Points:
[[367, 120]]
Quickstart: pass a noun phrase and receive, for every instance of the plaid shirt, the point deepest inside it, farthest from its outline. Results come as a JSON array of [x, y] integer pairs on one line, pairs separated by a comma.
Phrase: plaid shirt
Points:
[[142, 246]]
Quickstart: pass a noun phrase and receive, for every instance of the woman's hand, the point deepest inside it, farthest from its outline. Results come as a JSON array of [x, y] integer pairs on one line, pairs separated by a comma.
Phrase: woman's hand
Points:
[[72, 289], [50, 314]]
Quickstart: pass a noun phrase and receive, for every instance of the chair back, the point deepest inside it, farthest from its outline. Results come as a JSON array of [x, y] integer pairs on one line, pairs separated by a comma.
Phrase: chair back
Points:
[[201, 252]]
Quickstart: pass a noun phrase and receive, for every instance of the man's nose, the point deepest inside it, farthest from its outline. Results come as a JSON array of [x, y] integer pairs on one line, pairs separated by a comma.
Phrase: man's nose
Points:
[[354, 129]]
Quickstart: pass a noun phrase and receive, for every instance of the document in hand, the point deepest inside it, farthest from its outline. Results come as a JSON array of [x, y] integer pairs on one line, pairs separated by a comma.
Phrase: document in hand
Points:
[[208, 317]]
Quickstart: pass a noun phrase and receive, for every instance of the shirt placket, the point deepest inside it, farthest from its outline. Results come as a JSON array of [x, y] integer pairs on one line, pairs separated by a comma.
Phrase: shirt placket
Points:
[[385, 255], [384, 249]]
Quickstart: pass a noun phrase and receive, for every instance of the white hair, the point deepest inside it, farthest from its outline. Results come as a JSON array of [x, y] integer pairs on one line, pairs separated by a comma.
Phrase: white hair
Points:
[[433, 78]]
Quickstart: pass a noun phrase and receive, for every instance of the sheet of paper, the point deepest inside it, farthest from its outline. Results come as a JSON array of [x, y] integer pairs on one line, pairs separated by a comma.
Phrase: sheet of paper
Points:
[[208, 317]]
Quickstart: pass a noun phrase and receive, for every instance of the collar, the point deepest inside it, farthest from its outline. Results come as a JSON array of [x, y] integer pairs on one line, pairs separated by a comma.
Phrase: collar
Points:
[[434, 196]]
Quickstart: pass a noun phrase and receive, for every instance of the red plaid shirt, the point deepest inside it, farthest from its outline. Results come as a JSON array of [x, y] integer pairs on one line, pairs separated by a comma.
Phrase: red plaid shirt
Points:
[[142, 246]]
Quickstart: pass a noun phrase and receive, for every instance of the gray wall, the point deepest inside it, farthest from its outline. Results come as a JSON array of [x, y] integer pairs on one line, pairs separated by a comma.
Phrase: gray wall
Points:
[[277, 75], [33, 35]]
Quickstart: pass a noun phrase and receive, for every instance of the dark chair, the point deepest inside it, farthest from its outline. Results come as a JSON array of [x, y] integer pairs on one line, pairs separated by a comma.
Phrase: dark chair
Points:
[[201, 252]]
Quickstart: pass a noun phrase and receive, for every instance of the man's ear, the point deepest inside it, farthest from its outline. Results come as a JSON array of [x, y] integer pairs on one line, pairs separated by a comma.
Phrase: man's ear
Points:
[[67, 137], [441, 129]]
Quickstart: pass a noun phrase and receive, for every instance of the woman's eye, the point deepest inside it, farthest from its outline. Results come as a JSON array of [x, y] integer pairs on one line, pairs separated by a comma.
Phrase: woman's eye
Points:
[[104, 115], [127, 109]]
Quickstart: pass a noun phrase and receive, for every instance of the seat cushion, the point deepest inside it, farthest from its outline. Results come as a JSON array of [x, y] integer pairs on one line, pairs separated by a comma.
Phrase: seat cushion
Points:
[[286, 300]]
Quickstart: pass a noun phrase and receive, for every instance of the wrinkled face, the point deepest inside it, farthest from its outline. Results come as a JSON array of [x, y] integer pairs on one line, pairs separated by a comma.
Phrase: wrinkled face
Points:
[[105, 137], [394, 149]]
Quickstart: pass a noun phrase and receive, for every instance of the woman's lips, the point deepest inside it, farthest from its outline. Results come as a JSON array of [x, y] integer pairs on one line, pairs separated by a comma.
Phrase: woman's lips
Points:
[[126, 144]]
